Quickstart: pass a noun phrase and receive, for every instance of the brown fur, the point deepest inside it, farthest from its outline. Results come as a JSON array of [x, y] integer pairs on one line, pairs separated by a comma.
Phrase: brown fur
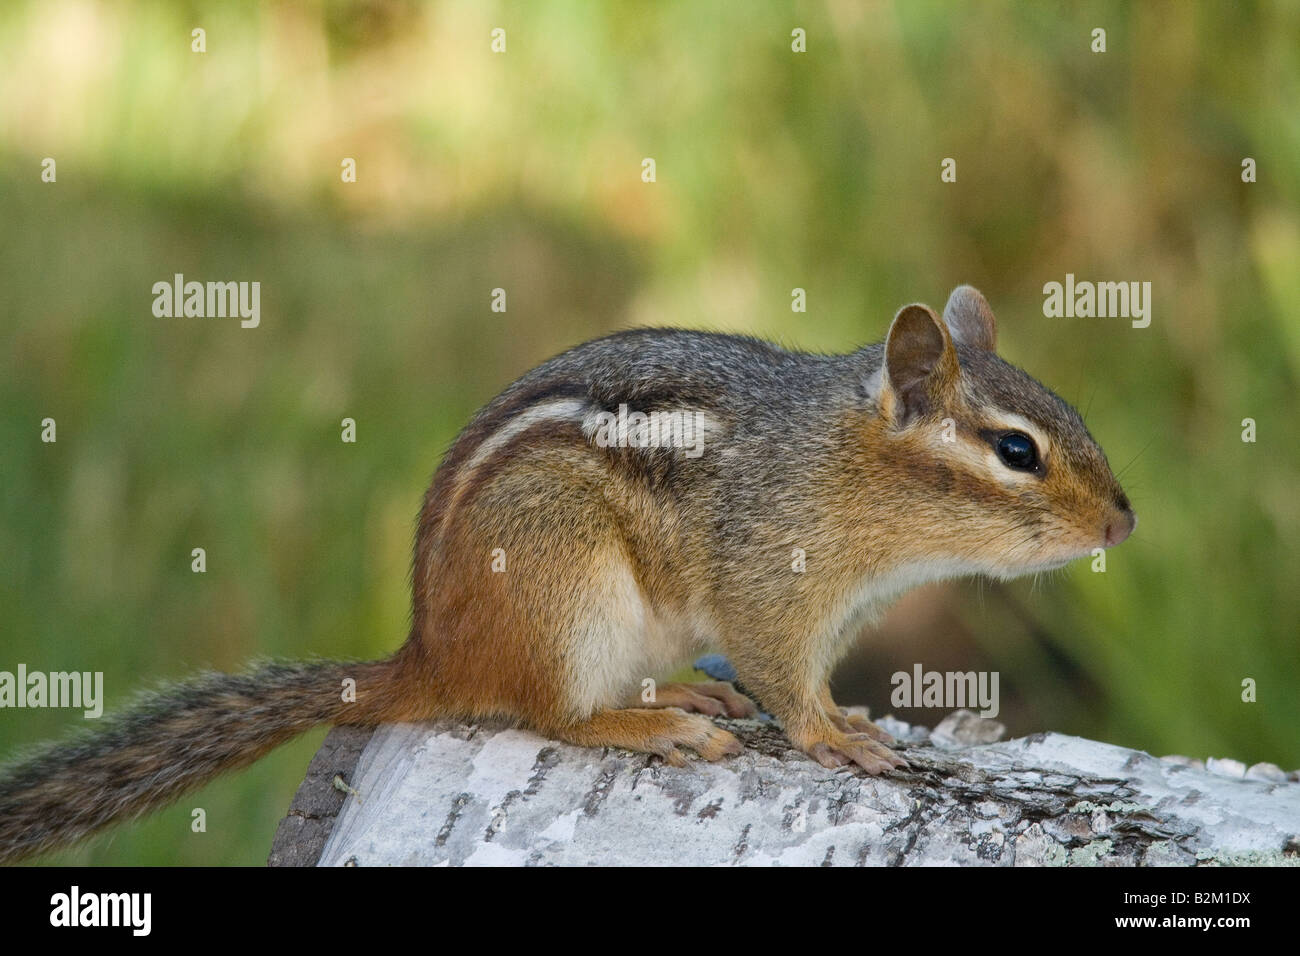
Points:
[[623, 562]]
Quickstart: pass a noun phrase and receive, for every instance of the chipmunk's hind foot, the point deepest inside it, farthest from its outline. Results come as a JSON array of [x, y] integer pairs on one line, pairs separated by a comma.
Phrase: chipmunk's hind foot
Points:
[[659, 732], [716, 698]]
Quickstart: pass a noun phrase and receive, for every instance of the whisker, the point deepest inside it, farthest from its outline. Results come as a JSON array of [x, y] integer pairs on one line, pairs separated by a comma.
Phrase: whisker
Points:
[[1088, 407], [1135, 458]]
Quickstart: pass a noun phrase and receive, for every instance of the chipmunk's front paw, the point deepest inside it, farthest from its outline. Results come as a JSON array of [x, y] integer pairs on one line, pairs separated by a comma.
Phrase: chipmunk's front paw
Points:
[[862, 749], [861, 725]]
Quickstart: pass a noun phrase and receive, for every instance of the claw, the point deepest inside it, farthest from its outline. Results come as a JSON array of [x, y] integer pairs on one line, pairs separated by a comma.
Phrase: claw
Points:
[[858, 748]]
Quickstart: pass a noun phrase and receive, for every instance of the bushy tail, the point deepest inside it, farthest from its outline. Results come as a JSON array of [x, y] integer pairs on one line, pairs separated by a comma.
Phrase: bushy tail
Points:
[[171, 741]]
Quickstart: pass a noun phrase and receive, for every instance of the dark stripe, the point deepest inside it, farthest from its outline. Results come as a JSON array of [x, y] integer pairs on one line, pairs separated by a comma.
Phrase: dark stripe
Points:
[[463, 448], [488, 423], [518, 447]]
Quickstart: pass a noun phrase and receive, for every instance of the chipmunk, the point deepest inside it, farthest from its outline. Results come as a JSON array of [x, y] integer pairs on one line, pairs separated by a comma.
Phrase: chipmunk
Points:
[[555, 571]]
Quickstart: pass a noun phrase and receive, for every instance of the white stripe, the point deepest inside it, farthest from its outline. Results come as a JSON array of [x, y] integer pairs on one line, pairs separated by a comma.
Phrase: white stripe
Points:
[[562, 410]]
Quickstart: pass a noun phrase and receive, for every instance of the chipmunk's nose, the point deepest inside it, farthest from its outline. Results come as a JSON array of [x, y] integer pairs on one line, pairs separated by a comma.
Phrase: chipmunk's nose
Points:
[[1120, 526]]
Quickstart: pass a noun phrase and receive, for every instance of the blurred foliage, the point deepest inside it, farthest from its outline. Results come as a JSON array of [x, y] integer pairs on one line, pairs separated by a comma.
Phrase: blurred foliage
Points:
[[477, 170]]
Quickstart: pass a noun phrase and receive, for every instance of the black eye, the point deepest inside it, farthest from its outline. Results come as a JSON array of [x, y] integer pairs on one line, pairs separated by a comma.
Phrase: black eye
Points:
[[1018, 451]]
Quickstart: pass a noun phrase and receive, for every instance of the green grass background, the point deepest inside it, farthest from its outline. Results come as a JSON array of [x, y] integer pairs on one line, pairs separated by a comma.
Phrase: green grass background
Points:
[[775, 170]]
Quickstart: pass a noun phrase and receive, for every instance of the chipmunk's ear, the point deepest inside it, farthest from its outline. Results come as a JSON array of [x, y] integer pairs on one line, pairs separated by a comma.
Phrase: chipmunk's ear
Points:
[[921, 366], [970, 320]]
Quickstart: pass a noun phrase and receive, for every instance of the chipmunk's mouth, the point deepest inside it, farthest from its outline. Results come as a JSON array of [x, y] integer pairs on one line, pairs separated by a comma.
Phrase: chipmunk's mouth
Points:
[[1058, 563], [1062, 545], [1038, 566], [1114, 529], [1054, 562]]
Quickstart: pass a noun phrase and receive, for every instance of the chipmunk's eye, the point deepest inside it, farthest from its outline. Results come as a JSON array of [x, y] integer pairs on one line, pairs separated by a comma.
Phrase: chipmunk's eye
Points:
[[1017, 451]]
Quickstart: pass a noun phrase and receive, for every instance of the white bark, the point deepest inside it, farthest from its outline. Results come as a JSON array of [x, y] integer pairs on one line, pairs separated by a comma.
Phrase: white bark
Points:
[[447, 793]]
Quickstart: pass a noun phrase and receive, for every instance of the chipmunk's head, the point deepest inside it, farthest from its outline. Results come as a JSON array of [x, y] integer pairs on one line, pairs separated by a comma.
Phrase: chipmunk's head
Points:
[[1005, 464]]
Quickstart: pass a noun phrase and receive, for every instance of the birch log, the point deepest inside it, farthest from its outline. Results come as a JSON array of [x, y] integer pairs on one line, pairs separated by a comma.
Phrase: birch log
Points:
[[474, 794]]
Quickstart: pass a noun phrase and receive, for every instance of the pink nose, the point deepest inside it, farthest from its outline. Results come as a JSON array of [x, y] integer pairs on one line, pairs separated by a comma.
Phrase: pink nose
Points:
[[1120, 527]]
